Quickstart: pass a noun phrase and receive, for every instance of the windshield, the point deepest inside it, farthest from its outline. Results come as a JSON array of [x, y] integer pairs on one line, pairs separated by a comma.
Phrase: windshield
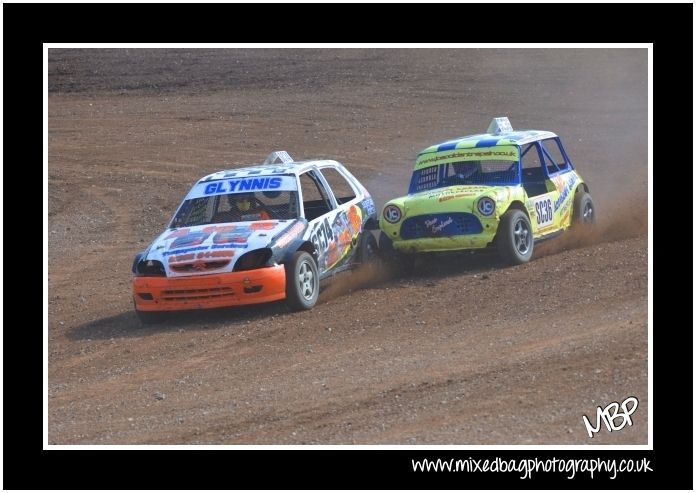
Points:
[[477, 166], [236, 207]]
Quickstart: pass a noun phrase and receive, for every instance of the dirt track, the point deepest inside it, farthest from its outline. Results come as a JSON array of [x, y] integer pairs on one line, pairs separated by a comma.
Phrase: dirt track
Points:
[[465, 351]]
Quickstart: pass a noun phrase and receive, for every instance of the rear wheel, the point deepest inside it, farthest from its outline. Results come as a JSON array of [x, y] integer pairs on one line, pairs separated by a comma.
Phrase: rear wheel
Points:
[[583, 209], [301, 281], [515, 240]]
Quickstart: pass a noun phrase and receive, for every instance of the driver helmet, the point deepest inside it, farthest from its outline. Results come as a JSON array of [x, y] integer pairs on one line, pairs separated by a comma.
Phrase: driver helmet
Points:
[[243, 201], [466, 169]]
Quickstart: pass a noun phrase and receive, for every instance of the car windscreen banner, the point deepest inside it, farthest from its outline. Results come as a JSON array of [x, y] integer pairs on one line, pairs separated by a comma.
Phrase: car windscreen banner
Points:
[[496, 153], [243, 185]]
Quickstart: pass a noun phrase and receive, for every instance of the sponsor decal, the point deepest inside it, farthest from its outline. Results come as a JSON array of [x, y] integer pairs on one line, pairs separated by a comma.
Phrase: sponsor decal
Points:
[[184, 250], [355, 219], [228, 245], [392, 214], [178, 233], [263, 225], [201, 255], [486, 206], [456, 195], [435, 226], [224, 237], [289, 234], [564, 189], [241, 185], [190, 239], [333, 238], [369, 206], [247, 184], [237, 236], [216, 254], [181, 258], [503, 153], [455, 192]]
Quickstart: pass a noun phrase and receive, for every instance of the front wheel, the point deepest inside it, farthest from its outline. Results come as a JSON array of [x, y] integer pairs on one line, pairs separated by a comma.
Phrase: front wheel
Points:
[[301, 281], [515, 239], [400, 262]]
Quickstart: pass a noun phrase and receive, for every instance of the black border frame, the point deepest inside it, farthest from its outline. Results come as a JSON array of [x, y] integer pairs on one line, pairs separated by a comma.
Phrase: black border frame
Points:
[[27, 26]]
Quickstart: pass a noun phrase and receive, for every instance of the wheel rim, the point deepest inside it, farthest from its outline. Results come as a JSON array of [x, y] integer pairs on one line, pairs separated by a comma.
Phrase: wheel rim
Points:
[[521, 236], [306, 280], [587, 213]]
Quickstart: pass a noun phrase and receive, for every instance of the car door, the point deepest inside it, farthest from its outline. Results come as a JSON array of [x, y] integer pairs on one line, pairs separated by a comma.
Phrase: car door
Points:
[[320, 209], [541, 191], [331, 205], [561, 180], [352, 213]]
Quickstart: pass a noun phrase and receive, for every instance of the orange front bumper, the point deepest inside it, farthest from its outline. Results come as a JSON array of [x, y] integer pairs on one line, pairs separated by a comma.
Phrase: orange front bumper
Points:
[[153, 294]]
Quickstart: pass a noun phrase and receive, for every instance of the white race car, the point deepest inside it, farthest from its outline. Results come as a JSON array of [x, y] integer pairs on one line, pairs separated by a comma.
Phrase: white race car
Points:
[[257, 234]]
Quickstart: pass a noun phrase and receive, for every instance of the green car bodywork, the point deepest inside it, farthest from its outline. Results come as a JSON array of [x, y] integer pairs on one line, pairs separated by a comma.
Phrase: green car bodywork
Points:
[[464, 193]]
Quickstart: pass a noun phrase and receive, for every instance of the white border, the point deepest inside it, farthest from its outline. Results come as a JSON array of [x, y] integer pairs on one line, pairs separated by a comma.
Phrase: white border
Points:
[[649, 446], [348, 45]]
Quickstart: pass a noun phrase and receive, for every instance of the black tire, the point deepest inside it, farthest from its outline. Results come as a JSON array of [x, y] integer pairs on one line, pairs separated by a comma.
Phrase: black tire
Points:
[[301, 281], [583, 209], [386, 247], [515, 239], [400, 262], [369, 251]]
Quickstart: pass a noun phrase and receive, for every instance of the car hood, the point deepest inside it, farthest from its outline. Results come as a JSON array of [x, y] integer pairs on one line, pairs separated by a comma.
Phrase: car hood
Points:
[[443, 199], [211, 248]]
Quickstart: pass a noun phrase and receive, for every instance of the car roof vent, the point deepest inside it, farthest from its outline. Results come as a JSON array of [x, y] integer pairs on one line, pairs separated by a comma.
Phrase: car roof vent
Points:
[[499, 125], [283, 156]]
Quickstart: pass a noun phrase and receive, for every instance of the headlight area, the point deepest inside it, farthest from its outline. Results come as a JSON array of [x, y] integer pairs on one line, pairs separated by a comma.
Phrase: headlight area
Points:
[[392, 214], [485, 206], [254, 259], [148, 268]]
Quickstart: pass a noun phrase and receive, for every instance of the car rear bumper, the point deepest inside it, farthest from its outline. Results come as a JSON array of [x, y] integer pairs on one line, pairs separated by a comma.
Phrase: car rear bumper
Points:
[[209, 291]]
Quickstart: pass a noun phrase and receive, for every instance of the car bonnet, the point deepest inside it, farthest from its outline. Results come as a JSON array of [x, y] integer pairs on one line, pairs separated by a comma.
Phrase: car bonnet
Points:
[[211, 248]]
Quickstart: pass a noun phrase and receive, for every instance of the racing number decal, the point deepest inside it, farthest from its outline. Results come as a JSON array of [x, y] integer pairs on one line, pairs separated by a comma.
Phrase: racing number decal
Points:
[[544, 211], [322, 235], [334, 236]]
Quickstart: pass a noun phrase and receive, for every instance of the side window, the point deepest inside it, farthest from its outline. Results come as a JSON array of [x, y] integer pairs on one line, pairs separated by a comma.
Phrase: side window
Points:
[[533, 176], [280, 204], [314, 198], [553, 156], [342, 188], [530, 157]]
